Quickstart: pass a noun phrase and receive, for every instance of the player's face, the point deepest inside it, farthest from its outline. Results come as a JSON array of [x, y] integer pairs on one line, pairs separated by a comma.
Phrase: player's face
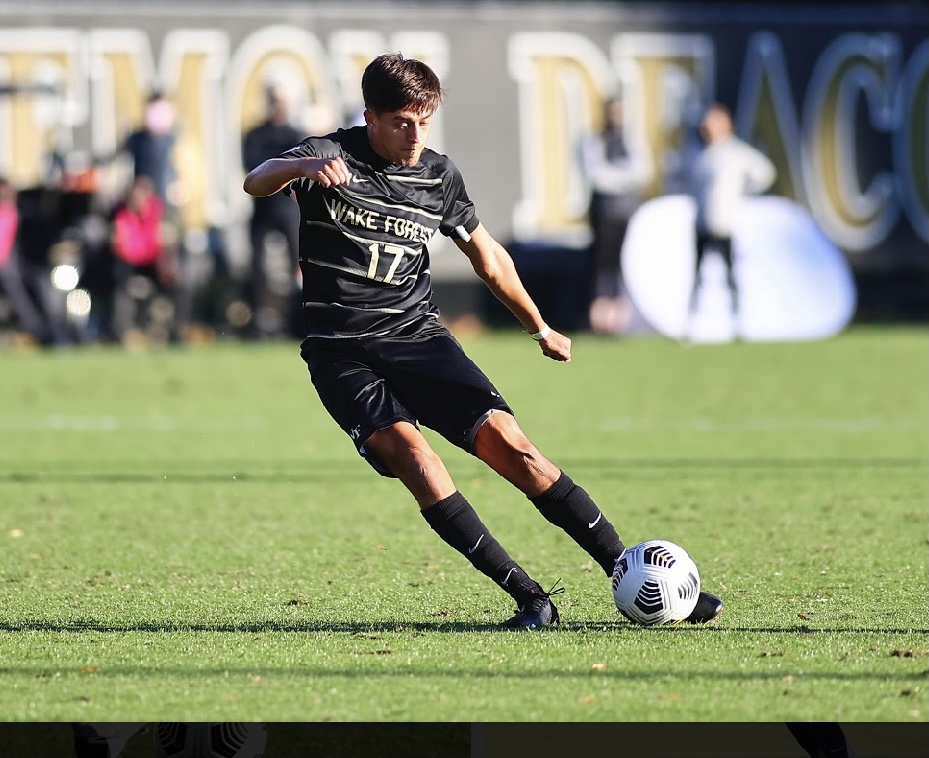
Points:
[[399, 136]]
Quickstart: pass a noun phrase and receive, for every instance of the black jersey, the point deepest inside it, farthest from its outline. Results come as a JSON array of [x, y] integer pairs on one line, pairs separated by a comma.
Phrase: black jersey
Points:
[[363, 246]]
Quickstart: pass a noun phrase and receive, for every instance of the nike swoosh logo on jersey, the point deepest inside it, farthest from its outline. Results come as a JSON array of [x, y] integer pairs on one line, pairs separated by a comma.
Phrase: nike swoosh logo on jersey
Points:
[[358, 180], [593, 523], [472, 549]]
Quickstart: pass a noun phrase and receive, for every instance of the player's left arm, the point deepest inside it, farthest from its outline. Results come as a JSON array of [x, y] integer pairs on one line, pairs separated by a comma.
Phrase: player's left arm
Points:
[[494, 265]]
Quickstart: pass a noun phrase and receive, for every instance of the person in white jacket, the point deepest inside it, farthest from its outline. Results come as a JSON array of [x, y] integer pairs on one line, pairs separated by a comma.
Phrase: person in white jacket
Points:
[[725, 171]]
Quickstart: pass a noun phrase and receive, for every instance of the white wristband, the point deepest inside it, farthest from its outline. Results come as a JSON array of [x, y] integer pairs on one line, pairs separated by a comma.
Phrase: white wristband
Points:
[[542, 333]]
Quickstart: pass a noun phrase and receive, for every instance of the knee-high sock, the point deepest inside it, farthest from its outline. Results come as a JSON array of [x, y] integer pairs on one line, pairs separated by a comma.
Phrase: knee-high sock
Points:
[[456, 522], [567, 505]]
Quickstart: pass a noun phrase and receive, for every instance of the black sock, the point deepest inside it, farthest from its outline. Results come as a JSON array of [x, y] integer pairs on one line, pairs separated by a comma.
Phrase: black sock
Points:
[[456, 522], [566, 505]]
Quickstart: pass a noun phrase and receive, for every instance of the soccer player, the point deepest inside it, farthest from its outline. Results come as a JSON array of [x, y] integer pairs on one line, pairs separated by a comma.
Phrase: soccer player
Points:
[[371, 197]]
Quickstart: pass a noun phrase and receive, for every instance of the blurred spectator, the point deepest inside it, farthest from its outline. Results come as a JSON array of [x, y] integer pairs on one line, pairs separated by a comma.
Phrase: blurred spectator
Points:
[[26, 312], [151, 148], [723, 172], [38, 232], [277, 213], [146, 276], [77, 212], [9, 220], [137, 226], [617, 169]]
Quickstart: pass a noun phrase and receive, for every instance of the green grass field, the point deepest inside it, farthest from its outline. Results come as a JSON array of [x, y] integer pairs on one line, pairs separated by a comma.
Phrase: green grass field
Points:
[[186, 535]]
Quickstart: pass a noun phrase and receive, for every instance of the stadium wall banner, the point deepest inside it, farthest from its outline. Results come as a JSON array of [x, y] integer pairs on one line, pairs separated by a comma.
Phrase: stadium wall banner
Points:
[[836, 96]]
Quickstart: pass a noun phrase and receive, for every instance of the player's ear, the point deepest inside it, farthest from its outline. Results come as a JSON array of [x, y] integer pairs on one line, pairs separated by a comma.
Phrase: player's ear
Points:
[[369, 117]]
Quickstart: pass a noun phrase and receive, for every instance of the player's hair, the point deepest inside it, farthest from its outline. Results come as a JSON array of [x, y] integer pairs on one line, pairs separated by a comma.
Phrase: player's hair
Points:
[[394, 83]]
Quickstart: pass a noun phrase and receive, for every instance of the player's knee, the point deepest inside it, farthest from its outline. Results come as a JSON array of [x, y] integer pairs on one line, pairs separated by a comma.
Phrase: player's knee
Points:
[[419, 461], [404, 453]]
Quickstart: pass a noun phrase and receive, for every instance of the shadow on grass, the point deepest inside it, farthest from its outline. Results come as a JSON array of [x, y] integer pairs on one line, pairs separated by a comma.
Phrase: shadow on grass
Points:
[[239, 471], [362, 628], [402, 670]]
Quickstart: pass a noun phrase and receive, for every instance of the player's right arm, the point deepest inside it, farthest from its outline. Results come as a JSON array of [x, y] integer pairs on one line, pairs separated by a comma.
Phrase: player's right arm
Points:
[[276, 173], [493, 264]]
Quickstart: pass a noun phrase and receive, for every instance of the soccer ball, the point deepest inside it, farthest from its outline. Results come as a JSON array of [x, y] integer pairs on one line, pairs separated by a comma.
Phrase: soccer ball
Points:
[[223, 739], [656, 582]]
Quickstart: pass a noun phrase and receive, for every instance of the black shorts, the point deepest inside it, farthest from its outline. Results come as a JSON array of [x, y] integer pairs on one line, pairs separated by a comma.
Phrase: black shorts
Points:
[[420, 374]]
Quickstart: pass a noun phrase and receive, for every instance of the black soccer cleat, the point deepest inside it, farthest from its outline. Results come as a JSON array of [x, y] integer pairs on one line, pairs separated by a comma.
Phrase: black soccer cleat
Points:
[[707, 609], [538, 612]]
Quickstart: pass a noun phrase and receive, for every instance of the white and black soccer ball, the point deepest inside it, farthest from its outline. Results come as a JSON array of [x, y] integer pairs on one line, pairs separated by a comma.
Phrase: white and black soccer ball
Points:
[[222, 739], [656, 582]]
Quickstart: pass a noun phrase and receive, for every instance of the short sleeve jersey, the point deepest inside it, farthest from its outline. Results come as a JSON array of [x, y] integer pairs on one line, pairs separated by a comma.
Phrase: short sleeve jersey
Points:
[[363, 245]]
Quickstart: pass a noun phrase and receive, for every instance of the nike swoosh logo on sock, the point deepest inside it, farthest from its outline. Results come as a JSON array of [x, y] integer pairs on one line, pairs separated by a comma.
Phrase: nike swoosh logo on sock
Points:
[[593, 523], [472, 549], [508, 575]]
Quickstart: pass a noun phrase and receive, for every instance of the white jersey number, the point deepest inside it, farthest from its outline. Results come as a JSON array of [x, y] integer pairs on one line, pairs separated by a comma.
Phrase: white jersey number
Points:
[[395, 250]]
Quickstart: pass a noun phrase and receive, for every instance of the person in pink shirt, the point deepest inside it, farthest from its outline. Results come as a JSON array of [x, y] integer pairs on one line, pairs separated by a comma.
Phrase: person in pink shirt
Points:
[[145, 265], [9, 221], [137, 226]]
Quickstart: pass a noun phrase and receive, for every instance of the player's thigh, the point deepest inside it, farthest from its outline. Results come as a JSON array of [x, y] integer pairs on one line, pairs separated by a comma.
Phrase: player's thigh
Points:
[[357, 397], [443, 387]]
